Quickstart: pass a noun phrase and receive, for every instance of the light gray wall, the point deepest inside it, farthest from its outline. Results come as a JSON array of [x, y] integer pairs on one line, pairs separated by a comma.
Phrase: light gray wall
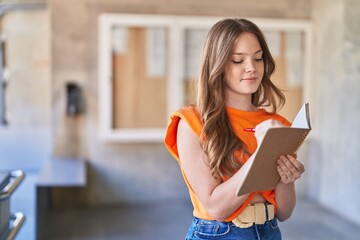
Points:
[[334, 164], [26, 142], [147, 172]]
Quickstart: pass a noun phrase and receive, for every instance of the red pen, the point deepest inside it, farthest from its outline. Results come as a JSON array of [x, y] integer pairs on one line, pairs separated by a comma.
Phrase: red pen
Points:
[[249, 129]]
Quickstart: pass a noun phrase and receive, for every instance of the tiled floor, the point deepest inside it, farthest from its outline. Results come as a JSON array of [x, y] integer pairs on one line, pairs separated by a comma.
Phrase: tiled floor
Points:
[[169, 221], [155, 221], [312, 222], [160, 221]]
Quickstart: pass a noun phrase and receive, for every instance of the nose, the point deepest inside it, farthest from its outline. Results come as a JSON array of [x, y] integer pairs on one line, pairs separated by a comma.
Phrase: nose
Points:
[[250, 66]]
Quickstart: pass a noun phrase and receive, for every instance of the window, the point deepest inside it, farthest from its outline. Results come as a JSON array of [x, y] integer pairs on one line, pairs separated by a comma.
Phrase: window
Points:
[[148, 63]]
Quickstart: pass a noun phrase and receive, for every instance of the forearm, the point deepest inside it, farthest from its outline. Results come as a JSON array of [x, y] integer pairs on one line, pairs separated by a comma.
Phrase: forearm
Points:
[[286, 199], [223, 201], [216, 196]]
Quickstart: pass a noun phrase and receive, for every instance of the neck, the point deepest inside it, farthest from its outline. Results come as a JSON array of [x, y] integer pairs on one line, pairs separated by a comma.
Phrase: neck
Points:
[[251, 108], [240, 101], [242, 104]]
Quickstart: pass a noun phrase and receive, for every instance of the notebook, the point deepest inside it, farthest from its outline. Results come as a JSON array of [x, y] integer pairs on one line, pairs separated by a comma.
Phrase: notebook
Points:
[[260, 173]]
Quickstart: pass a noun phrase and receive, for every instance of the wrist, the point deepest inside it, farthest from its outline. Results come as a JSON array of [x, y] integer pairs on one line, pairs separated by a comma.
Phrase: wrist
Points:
[[285, 186]]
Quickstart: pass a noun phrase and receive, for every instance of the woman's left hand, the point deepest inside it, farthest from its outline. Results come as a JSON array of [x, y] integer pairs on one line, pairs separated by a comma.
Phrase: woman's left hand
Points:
[[289, 169]]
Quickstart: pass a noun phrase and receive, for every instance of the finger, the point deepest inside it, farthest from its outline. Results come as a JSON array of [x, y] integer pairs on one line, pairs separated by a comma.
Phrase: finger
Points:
[[284, 167], [283, 177], [289, 170], [298, 165], [282, 174], [290, 166]]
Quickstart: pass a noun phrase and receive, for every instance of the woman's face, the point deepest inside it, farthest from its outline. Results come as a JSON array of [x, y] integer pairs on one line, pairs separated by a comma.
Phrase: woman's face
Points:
[[245, 69]]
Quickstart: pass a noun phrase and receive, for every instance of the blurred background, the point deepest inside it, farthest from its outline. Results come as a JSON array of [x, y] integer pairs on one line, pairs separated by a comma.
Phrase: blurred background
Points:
[[87, 87]]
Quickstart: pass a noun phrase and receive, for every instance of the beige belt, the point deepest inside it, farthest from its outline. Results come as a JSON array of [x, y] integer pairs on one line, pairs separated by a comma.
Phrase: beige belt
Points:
[[255, 213]]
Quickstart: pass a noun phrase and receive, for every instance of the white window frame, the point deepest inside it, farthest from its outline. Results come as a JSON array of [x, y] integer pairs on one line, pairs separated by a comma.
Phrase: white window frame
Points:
[[176, 26]]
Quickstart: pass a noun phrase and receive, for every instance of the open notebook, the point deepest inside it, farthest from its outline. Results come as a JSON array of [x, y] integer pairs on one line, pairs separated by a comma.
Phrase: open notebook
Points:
[[260, 173]]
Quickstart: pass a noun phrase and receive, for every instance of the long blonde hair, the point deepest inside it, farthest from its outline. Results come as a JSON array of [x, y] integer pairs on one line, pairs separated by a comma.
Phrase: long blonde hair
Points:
[[220, 141]]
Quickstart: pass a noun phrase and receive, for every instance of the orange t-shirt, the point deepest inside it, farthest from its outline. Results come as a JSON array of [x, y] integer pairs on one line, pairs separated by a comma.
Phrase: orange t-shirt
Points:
[[239, 120]]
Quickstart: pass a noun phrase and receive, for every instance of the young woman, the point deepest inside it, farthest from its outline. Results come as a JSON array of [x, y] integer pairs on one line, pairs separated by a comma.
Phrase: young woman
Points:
[[210, 145]]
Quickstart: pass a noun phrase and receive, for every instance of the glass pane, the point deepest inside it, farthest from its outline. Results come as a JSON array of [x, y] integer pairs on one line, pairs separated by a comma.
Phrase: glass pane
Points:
[[139, 77], [287, 49], [194, 41]]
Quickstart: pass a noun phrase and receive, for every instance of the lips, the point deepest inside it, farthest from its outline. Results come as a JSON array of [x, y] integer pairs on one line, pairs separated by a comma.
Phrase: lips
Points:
[[249, 79]]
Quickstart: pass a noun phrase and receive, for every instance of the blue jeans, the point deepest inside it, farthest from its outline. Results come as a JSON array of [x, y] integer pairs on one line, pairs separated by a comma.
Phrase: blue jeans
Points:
[[211, 229]]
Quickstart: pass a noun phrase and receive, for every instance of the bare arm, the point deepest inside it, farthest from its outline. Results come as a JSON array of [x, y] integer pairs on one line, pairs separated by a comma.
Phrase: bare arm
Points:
[[290, 169], [217, 197]]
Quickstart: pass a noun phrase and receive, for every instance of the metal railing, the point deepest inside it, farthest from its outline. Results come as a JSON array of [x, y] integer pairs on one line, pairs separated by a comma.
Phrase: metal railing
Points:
[[16, 178], [16, 220]]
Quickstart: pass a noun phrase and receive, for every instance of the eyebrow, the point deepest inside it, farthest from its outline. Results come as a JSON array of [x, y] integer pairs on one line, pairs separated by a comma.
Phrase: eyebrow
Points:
[[258, 51]]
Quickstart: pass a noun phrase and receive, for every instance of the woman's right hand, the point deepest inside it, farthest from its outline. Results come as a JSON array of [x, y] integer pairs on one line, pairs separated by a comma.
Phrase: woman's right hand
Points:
[[262, 128]]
